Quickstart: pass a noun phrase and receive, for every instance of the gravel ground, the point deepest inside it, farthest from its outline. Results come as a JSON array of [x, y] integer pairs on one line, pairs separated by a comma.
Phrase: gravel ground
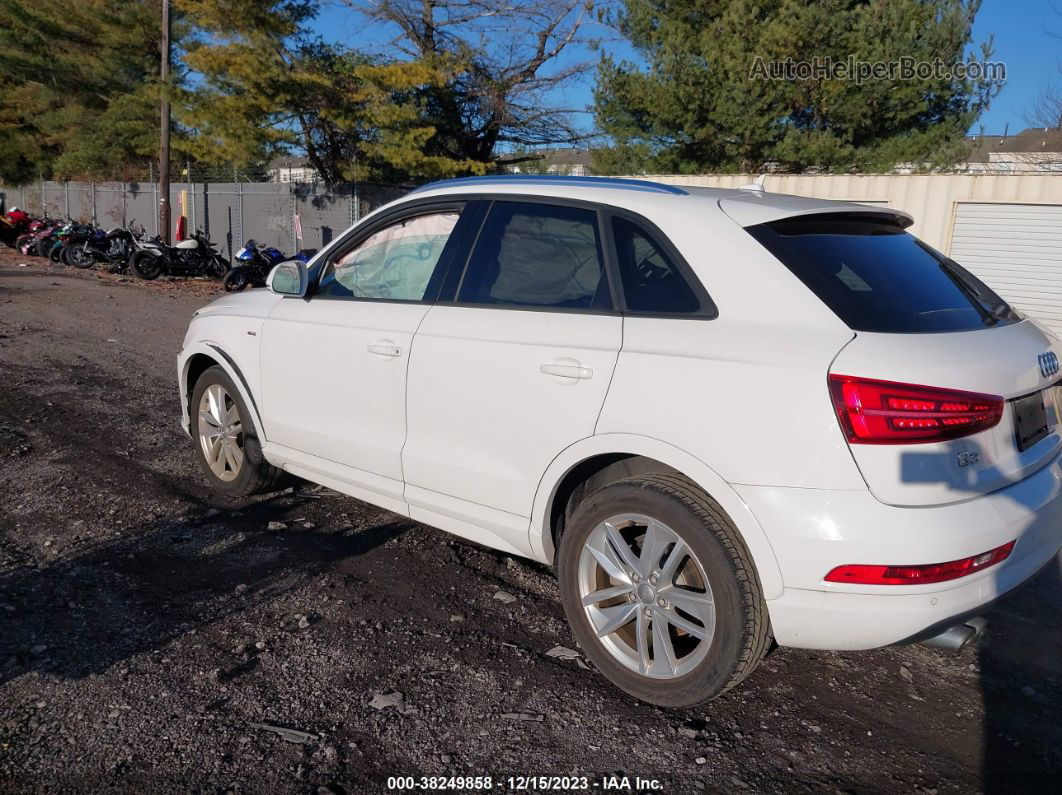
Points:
[[156, 636]]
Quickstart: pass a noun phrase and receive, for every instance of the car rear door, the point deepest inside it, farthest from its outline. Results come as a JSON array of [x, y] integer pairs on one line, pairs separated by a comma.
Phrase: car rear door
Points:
[[512, 370]]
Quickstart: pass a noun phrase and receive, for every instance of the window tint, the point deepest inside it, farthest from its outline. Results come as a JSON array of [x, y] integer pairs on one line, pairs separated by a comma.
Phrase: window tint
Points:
[[394, 263], [651, 282], [537, 255], [876, 277]]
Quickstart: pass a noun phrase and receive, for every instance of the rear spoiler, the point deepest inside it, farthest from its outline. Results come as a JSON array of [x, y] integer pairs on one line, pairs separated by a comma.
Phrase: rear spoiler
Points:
[[758, 208]]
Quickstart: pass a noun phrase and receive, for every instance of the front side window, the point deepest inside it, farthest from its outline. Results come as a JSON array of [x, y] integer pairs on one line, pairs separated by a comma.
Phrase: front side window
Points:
[[395, 263], [537, 255], [651, 281]]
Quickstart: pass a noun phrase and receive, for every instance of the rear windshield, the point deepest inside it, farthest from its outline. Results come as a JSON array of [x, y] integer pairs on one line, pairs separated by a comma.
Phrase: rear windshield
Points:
[[876, 277]]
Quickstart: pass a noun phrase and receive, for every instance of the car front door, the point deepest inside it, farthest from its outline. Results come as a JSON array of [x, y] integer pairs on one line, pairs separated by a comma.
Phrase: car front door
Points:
[[334, 364], [511, 371]]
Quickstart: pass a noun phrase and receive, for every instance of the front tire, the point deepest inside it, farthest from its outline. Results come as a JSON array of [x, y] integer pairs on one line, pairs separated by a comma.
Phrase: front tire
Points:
[[236, 279], [78, 257], [227, 445], [661, 592], [145, 264]]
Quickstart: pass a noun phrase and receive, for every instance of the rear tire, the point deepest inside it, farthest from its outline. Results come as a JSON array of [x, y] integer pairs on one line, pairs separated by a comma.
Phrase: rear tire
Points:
[[223, 429], [145, 264], [708, 606]]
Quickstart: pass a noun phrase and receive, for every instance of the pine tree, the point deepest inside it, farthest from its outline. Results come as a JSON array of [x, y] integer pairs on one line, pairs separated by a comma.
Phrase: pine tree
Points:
[[702, 105], [79, 88]]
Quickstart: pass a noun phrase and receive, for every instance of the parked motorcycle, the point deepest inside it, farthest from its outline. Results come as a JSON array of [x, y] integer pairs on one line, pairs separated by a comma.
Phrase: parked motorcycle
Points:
[[112, 248], [76, 252], [14, 223], [69, 233], [140, 242], [196, 256], [26, 242], [30, 242], [251, 267]]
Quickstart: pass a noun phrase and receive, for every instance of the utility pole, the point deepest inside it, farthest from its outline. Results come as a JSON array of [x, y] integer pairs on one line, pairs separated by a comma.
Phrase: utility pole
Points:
[[164, 140]]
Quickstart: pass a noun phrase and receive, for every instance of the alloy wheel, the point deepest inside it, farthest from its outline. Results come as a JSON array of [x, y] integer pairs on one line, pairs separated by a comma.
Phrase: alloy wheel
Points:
[[221, 432], [646, 596]]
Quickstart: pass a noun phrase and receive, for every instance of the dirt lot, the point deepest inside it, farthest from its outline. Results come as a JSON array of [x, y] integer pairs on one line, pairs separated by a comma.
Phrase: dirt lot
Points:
[[150, 629]]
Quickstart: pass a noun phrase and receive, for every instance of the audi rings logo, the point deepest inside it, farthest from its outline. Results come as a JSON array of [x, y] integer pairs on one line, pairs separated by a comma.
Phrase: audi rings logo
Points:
[[1048, 364]]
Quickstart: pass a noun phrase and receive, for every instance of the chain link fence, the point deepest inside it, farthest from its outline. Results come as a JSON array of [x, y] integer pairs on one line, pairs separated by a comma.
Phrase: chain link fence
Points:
[[273, 213]]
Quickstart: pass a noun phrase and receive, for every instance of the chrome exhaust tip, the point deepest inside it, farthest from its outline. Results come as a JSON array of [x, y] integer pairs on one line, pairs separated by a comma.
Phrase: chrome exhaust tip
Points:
[[956, 638]]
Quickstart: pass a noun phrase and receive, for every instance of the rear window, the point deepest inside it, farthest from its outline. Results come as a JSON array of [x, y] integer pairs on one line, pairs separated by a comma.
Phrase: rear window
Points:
[[876, 277]]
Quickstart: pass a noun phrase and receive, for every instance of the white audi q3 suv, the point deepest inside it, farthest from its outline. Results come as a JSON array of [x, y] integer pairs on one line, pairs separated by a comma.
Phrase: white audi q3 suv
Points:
[[727, 417]]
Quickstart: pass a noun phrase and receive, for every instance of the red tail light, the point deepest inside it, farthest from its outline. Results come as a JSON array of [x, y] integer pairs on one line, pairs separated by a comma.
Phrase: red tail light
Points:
[[884, 412], [919, 575]]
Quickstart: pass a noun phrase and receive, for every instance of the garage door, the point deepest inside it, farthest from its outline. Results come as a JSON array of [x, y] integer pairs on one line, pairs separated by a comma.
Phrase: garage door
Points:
[[1017, 250]]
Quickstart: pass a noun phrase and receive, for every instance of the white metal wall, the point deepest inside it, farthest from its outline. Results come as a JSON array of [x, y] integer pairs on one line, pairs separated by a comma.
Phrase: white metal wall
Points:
[[1017, 249], [930, 198]]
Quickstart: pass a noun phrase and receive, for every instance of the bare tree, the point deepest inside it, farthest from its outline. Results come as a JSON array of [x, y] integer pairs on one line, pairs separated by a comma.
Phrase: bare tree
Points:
[[507, 63], [1047, 110]]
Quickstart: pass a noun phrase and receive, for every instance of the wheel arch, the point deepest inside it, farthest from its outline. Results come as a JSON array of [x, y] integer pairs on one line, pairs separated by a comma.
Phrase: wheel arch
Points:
[[195, 360], [598, 460]]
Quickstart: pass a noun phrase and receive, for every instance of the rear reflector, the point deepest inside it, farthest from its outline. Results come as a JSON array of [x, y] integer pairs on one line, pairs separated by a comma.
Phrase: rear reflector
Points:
[[885, 412], [919, 575]]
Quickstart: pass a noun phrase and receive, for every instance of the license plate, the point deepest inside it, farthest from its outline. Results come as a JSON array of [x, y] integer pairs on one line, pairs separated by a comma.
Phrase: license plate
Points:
[[1030, 419]]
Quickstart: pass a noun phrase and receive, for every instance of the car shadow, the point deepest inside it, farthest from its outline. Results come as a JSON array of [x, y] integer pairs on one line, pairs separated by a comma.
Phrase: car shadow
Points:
[[1020, 654], [1020, 661], [119, 598]]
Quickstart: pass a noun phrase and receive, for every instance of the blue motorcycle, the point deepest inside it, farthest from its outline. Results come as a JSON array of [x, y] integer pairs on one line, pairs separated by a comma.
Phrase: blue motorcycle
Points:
[[253, 264]]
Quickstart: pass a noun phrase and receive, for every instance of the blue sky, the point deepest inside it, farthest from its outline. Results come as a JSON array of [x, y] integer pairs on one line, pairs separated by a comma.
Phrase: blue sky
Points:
[[1022, 36], [1021, 30]]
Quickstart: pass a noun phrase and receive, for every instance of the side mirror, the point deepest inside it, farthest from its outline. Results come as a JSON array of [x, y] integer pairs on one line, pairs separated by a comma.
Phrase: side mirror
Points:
[[289, 278]]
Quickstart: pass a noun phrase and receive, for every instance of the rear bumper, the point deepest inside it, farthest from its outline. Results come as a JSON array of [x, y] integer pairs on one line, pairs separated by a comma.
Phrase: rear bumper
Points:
[[812, 531]]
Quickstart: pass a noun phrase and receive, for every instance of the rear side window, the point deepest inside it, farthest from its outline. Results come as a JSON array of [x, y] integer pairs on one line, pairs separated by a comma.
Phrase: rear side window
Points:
[[537, 255], [651, 281], [876, 277]]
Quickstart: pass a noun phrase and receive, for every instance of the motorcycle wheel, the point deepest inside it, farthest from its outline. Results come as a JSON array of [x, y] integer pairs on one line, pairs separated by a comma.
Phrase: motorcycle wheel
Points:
[[43, 246], [235, 280], [56, 254], [145, 264], [24, 244], [218, 268], [78, 257]]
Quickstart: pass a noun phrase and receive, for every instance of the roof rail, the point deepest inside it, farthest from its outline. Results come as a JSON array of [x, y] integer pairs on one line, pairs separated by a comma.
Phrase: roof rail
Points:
[[536, 179]]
